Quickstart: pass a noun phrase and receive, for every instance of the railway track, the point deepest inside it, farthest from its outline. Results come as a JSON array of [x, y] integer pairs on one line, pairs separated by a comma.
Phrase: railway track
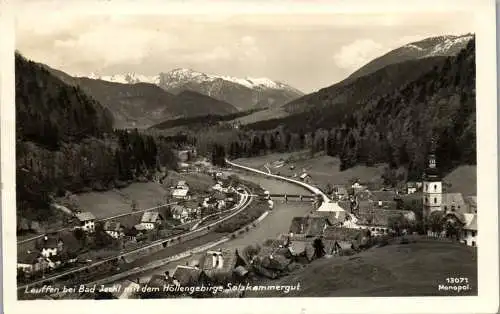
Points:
[[245, 200]]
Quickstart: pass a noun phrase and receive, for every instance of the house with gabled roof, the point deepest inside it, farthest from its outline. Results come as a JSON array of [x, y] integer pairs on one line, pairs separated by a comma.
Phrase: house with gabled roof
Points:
[[411, 187], [222, 261], [114, 229], [471, 202], [469, 235], [301, 250], [188, 275], [453, 202], [150, 220], [468, 225], [305, 177], [86, 220], [31, 262], [50, 246], [341, 192], [333, 218], [182, 194], [273, 258], [309, 226]]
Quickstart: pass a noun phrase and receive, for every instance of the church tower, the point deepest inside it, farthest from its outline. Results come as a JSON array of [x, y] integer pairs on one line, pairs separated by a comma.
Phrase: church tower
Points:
[[432, 187]]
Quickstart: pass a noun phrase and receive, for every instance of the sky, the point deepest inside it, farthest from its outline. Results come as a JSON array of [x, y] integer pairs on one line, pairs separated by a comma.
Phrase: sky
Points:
[[307, 51]]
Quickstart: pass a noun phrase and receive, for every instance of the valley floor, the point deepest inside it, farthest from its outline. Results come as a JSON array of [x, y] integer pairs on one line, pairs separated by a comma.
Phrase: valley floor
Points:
[[325, 170], [322, 169]]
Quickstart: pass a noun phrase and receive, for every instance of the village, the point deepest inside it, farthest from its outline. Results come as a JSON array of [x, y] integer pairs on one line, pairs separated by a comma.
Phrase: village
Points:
[[89, 239], [355, 220]]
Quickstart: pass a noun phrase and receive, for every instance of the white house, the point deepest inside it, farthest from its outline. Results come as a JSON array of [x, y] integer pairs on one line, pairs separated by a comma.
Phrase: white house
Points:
[[114, 229], [221, 204], [150, 220], [305, 177], [182, 194], [180, 213], [31, 261], [357, 185], [270, 203], [469, 234], [87, 221], [411, 187], [50, 246]]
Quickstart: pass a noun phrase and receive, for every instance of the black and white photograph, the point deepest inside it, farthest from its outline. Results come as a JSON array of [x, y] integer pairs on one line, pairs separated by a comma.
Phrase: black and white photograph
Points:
[[217, 152]]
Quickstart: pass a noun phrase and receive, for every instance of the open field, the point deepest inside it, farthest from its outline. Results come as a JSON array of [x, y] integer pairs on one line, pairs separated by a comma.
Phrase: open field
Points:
[[414, 269], [147, 195], [322, 169]]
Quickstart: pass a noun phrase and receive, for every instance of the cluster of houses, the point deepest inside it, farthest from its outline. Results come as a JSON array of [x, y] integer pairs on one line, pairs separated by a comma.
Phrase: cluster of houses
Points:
[[373, 209], [274, 259], [188, 207], [54, 250]]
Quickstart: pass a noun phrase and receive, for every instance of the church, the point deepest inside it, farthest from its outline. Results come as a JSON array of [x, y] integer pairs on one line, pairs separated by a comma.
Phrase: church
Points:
[[454, 206]]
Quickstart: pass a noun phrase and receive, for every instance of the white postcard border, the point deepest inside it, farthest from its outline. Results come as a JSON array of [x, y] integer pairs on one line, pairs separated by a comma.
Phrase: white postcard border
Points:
[[487, 301]]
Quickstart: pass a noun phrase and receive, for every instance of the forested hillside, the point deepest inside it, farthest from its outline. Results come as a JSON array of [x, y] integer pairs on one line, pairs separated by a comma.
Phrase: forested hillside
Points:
[[396, 126], [65, 142], [352, 93]]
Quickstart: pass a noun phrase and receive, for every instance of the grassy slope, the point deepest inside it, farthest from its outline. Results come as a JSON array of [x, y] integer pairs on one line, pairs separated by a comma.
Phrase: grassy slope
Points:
[[414, 269], [147, 195], [323, 169]]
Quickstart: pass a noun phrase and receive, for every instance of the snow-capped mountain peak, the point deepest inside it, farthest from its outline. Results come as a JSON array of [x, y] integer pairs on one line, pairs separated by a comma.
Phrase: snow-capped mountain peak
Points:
[[439, 45], [181, 76], [448, 43], [127, 78]]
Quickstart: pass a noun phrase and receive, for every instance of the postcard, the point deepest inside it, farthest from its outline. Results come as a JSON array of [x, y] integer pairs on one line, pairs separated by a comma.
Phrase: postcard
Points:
[[257, 157]]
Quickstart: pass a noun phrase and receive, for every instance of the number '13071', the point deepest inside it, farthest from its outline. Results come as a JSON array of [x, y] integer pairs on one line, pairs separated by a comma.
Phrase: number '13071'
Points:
[[457, 280]]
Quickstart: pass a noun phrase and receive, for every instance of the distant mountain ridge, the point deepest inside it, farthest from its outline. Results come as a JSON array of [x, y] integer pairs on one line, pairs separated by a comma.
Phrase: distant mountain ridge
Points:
[[243, 93], [144, 104], [446, 45]]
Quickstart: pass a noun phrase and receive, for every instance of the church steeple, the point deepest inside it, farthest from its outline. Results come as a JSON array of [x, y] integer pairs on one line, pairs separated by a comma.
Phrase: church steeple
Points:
[[431, 172], [432, 184]]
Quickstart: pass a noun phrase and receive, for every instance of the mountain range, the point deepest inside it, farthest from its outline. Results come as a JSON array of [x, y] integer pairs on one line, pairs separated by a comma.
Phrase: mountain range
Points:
[[143, 104], [243, 93]]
